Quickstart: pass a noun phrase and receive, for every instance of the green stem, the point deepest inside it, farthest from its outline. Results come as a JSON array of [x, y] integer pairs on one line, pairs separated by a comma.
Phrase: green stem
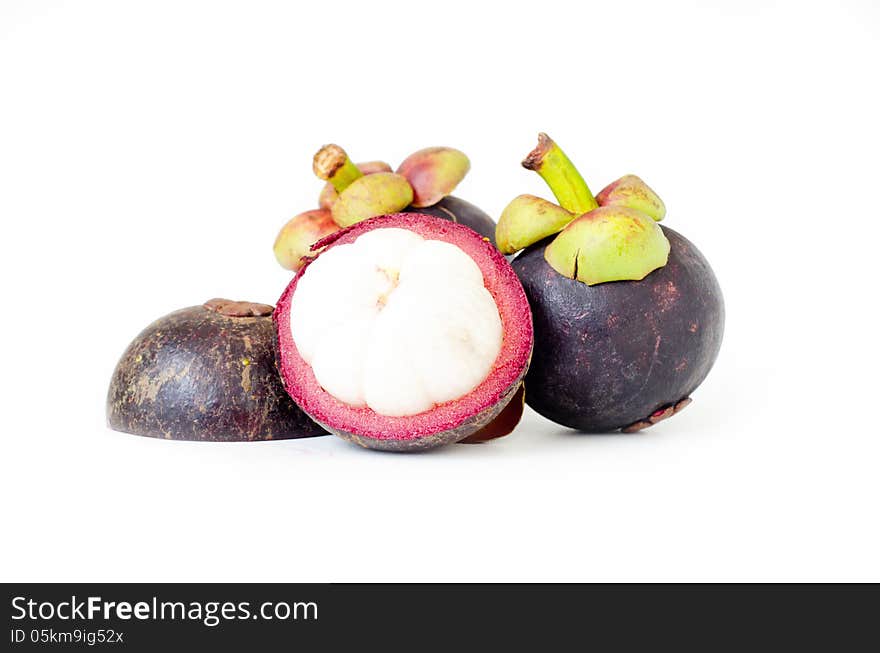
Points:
[[331, 163], [555, 168]]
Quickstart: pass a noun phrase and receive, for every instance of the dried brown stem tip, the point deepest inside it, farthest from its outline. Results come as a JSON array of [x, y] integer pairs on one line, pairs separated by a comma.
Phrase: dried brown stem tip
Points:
[[555, 168], [328, 160], [535, 158], [332, 164]]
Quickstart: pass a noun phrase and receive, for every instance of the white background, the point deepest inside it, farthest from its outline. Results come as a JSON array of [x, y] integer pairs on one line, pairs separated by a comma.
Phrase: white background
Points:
[[149, 152]]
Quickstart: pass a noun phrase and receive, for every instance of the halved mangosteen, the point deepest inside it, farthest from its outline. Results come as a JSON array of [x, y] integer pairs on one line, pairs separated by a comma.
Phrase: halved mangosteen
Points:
[[205, 373], [406, 332]]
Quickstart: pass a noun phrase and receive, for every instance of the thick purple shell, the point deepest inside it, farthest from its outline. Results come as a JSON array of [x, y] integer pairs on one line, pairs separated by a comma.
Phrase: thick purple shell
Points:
[[199, 375]]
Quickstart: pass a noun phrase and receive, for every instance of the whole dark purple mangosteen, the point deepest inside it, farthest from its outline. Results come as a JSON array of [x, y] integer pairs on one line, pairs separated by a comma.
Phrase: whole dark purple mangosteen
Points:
[[628, 315], [206, 373]]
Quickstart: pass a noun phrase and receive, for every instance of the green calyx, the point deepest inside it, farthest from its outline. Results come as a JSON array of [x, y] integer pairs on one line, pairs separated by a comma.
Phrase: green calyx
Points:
[[329, 194], [610, 243], [433, 173], [360, 194], [371, 195], [632, 192], [294, 241], [611, 237], [528, 219]]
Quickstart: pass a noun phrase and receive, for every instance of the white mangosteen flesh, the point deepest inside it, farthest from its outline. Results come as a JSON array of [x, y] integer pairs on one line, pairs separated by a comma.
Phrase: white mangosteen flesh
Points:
[[396, 322]]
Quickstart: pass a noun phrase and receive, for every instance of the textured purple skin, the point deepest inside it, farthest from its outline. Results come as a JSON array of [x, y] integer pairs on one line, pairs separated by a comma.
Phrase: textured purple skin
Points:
[[448, 436], [612, 354], [462, 212], [185, 378]]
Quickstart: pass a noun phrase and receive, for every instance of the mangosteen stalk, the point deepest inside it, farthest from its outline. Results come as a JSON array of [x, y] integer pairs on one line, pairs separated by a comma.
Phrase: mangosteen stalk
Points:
[[557, 170], [614, 238], [331, 163]]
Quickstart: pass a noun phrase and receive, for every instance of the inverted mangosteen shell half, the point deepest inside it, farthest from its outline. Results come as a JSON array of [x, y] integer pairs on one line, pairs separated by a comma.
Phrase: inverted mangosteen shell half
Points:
[[206, 373], [443, 424], [621, 354]]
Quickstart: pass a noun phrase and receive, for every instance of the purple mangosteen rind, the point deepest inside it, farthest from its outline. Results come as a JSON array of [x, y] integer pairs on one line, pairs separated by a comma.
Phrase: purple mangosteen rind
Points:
[[460, 211], [206, 373], [611, 355], [447, 436], [504, 423]]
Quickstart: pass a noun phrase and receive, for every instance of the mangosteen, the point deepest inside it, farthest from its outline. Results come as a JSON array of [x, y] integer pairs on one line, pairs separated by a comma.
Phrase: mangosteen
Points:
[[504, 423], [628, 315], [405, 332], [460, 211], [354, 192], [206, 373]]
